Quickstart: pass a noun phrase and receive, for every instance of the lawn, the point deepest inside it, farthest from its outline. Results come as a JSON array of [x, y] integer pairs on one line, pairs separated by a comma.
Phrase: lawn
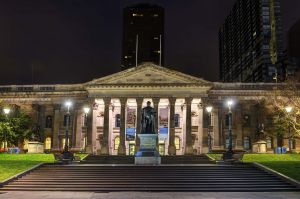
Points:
[[287, 164], [12, 164]]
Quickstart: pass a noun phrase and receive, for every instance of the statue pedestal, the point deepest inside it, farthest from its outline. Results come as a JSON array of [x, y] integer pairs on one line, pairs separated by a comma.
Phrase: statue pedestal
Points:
[[147, 155], [259, 146], [35, 147]]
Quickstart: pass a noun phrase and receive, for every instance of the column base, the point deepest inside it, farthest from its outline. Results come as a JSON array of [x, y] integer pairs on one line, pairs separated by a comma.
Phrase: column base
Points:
[[171, 150], [104, 150], [189, 150], [89, 149], [122, 150]]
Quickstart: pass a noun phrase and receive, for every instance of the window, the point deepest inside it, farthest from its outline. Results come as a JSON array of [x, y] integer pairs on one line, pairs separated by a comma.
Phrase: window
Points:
[[246, 143], [116, 142], [48, 121], [177, 142], [48, 143], [118, 120], [177, 120], [246, 120], [269, 142]]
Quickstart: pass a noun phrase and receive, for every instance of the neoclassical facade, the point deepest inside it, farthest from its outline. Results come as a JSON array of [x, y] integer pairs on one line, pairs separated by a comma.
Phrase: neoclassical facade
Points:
[[115, 103]]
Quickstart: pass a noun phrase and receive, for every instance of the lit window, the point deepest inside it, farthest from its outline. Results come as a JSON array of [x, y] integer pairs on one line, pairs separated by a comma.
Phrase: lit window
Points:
[[116, 143], [246, 143], [269, 142], [177, 142], [155, 15], [137, 15], [48, 143]]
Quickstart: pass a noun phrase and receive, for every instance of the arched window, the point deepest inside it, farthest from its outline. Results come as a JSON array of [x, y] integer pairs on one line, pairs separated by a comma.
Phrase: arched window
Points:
[[269, 142], [177, 142], [116, 142], [177, 120], [118, 120], [246, 143], [48, 143], [49, 121]]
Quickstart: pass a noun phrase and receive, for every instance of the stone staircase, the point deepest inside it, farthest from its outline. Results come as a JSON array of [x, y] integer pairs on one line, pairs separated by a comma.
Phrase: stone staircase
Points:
[[106, 178], [115, 159]]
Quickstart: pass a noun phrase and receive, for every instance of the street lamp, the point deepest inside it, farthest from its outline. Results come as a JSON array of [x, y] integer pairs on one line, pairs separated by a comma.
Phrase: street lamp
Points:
[[6, 112], [289, 109], [229, 152], [66, 152], [209, 110], [86, 111]]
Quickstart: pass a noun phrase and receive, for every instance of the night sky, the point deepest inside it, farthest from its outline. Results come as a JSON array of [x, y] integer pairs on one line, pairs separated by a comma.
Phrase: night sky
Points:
[[75, 41]]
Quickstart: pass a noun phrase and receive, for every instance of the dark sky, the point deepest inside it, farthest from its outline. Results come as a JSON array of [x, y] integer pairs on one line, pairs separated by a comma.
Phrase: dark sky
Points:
[[74, 41]]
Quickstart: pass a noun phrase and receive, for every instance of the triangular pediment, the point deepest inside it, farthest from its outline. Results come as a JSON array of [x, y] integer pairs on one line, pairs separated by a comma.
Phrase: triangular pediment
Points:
[[149, 73]]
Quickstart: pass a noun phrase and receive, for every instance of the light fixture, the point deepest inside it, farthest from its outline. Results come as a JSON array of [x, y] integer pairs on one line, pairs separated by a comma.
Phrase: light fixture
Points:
[[209, 109], [288, 109], [6, 111], [86, 110], [68, 103], [229, 103]]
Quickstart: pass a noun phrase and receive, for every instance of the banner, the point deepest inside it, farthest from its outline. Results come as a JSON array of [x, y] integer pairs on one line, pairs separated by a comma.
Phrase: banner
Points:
[[130, 134]]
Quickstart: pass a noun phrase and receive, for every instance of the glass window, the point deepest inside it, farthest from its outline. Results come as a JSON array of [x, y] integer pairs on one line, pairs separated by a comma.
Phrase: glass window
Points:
[[48, 121], [116, 143], [177, 120], [177, 142], [48, 143], [118, 120], [269, 142], [246, 143]]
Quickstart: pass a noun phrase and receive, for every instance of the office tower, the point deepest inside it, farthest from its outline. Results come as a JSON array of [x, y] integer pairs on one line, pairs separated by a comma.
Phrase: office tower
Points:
[[294, 42], [250, 42], [143, 35]]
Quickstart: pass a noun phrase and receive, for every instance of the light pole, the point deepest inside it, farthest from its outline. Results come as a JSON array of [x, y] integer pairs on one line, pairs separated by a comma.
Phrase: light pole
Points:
[[6, 112], [229, 152], [209, 136], [66, 152], [289, 109], [86, 111]]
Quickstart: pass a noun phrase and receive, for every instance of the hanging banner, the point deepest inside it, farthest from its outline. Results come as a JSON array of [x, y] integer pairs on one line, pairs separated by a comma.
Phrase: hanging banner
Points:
[[130, 134], [163, 117], [163, 134], [131, 118]]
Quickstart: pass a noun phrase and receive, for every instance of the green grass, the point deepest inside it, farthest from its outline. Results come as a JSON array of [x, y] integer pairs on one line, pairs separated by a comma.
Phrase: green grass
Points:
[[287, 164], [12, 164]]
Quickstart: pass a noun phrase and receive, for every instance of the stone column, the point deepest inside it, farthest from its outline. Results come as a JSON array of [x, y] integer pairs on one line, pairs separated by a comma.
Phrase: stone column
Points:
[[172, 148], [139, 102], [189, 144], [104, 143], [122, 147], [155, 104], [56, 120], [76, 130], [89, 132]]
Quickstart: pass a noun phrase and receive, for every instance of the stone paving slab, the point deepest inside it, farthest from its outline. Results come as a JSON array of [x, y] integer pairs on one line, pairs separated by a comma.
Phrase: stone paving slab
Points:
[[150, 195]]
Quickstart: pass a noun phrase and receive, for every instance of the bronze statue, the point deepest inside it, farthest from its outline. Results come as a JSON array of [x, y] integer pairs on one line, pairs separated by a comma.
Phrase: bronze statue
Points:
[[148, 119]]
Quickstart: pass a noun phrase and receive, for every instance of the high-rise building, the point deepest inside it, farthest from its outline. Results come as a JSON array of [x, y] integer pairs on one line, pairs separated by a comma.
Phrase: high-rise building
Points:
[[251, 42], [143, 35], [294, 42]]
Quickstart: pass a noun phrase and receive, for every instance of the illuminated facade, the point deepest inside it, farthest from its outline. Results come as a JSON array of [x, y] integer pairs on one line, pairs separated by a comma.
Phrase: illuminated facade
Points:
[[116, 101]]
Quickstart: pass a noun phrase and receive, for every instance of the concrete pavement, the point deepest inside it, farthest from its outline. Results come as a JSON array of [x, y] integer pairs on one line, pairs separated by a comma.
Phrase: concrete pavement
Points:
[[150, 195]]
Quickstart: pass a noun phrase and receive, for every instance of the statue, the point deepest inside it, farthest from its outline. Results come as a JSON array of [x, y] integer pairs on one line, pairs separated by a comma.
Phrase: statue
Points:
[[148, 120]]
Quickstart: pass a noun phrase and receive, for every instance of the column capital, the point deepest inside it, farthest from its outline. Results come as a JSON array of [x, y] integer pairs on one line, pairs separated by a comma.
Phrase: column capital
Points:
[[123, 101], [172, 100], [188, 100], [106, 100], [139, 100], [155, 100]]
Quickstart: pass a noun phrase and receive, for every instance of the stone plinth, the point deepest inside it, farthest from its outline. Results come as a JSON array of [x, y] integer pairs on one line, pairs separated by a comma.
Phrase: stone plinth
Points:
[[35, 147], [147, 155], [259, 146]]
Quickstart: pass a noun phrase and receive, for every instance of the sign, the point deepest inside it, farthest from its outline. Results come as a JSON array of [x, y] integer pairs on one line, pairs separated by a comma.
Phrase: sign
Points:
[[163, 134], [130, 134]]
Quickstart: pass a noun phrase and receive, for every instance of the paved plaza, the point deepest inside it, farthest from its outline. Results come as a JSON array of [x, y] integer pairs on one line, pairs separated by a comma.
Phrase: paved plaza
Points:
[[150, 195]]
